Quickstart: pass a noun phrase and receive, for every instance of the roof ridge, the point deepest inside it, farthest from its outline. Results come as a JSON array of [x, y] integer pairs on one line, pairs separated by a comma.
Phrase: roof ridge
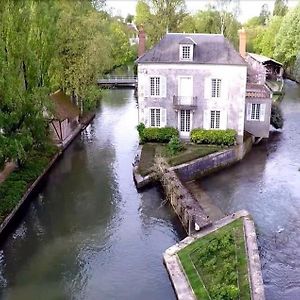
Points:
[[192, 33]]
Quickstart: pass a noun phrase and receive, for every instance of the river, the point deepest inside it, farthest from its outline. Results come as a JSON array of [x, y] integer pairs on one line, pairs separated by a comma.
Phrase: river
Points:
[[89, 234], [267, 184]]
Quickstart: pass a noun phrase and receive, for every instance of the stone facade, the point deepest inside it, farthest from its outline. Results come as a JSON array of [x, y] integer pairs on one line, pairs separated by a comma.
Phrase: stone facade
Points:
[[231, 104]]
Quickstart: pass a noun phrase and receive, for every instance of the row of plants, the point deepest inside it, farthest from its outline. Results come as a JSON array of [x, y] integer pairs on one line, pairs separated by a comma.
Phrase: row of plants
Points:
[[215, 137], [198, 136], [15, 186]]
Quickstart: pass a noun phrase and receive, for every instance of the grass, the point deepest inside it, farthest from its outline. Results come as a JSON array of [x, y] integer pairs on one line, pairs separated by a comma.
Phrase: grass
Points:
[[216, 265], [189, 153], [147, 159]]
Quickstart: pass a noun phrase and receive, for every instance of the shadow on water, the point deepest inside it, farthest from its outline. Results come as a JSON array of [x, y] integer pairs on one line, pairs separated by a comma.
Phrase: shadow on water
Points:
[[266, 183], [88, 234]]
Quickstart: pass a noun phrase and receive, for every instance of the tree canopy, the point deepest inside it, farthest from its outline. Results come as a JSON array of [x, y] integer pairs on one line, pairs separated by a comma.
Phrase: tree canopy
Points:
[[50, 45]]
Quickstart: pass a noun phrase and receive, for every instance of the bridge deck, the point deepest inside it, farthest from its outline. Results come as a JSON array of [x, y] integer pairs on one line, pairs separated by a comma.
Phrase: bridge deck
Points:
[[118, 81]]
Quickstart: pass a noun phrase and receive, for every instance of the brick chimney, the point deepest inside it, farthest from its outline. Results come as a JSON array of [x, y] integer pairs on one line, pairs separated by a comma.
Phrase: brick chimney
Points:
[[243, 42], [142, 41]]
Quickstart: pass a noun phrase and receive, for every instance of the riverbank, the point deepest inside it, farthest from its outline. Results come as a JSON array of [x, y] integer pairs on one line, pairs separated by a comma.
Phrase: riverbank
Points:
[[17, 188]]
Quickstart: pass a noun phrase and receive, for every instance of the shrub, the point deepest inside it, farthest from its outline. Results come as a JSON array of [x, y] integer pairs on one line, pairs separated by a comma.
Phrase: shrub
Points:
[[276, 116], [140, 128], [175, 145], [157, 135], [14, 187], [215, 137]]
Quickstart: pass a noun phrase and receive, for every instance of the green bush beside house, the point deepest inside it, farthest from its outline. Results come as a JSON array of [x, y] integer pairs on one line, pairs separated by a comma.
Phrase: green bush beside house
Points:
[[156, 134], [214, 137]]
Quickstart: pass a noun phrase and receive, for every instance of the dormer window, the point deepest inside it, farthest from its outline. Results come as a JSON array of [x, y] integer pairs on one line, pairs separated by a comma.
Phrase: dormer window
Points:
[[186, 52]]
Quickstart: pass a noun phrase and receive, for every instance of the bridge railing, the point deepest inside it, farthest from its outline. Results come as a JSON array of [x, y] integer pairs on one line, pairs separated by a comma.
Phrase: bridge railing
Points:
[[116, 79]]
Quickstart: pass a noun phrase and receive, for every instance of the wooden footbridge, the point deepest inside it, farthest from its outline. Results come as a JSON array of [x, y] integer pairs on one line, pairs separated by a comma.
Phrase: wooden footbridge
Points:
[[118, 81]]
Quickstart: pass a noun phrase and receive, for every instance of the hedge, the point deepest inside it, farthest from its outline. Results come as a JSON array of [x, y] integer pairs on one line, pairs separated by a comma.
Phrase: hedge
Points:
[[215, 137], [156, 135]]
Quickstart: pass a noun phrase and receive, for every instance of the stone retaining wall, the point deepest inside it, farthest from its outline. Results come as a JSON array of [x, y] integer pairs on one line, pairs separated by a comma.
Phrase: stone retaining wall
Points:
[[187, 208], [208, 164], [179, 280]]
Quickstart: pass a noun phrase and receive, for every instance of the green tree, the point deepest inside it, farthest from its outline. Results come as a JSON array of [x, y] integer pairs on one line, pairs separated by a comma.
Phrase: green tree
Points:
[[280, 8], [287, 41], [159, 16], [264, 14], [265, 41]]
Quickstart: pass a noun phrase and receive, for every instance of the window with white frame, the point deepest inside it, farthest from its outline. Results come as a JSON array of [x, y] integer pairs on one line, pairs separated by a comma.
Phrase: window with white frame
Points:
[[155, 86], [216, 88], [255, 111], [186, 52], [155, 115], [215, 119]]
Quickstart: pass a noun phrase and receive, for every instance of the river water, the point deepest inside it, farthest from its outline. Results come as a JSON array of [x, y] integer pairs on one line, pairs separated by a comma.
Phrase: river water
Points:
[[267, 184], [89, 234]]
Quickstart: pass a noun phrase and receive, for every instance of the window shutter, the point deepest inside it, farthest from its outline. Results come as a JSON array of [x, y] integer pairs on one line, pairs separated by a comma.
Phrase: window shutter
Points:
[[163, 117], [147, 117], [249, 105], [206, 119], [163, 86], [207, 88], [147, 87], [223, 119], [262, 112]]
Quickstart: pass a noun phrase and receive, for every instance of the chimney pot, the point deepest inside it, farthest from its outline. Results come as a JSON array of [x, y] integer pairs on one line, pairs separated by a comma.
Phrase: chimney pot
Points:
[[142, 41], [242, 42]]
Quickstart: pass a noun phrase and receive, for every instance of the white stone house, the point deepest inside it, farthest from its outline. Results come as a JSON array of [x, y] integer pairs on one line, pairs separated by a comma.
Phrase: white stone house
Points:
[[200, 81]]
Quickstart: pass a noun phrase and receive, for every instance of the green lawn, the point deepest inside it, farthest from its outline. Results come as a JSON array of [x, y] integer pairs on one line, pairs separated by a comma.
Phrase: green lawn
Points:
[[147, 159], [190, 152], [216, 265]]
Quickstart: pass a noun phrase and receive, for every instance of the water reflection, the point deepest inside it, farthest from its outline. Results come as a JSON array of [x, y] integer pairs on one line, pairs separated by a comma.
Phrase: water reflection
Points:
[[89, 234]]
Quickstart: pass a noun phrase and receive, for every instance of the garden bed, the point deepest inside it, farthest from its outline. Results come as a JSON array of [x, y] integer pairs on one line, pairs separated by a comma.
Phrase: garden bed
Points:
[[189, 153], [216, 264]]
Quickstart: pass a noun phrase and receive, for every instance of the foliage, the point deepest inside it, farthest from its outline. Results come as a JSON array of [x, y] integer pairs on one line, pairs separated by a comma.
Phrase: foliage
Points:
[[159, 16], [264, 14], [287, 42], [276, 116], [46, 45], [156, 135], [220, 263], [280, 8], [14, 187], [265, 42], [175, 145], [215, 19], [216, 137]]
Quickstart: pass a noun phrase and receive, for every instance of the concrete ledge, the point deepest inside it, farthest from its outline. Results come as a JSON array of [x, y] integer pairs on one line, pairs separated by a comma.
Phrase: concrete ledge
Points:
[[178, 277], [141, 181]]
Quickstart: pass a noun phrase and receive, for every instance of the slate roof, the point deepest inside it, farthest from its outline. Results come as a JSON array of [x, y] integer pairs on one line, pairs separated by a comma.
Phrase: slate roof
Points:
[[263, 59], [63, 106], [209, 49]]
